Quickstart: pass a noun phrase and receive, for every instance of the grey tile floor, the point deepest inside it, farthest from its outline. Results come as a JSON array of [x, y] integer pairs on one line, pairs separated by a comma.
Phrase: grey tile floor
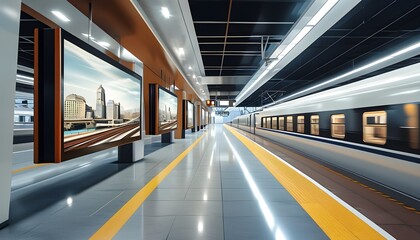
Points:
[[219, 191]]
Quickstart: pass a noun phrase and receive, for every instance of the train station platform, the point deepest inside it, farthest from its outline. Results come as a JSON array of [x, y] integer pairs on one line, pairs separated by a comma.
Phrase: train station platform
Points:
[[215, 184]]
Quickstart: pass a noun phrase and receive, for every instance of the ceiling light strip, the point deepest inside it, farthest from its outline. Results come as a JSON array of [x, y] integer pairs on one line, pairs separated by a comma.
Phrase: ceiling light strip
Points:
[[302, 33], [153, 30], [322, 12], [413, 47], [61, 16]]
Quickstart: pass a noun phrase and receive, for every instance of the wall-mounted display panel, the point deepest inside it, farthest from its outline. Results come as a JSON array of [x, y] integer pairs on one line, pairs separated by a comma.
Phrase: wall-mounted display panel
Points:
[[190, 115], [97, 101], [203, 117], [163, 110]]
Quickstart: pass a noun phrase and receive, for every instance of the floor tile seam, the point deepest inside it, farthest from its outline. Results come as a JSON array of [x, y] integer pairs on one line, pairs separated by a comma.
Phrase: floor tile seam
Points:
[[170, 229]]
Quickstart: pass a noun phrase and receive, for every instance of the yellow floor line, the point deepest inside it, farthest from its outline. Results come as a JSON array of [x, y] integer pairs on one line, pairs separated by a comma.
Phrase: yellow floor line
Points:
[[337, 221], [117, 221], [29, 167]]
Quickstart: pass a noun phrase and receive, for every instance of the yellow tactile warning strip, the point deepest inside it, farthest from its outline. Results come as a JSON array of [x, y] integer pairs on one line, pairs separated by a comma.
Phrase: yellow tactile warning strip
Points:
[[329, 212], [117, 221], [29, 167]]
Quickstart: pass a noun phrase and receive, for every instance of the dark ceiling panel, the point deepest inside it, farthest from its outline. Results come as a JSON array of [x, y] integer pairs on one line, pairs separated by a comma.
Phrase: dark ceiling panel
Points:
[[26, 39], [243, 47], [258, 29], [225, 87], [236, 72], [242, 60], [271, 11], [210, 29], [249, 21], [211, 47], [209, 10], [212, 60]]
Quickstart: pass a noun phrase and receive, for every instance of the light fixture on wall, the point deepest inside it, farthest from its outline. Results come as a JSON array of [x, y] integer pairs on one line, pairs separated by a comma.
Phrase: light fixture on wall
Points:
[[165, 12], [61, 16]]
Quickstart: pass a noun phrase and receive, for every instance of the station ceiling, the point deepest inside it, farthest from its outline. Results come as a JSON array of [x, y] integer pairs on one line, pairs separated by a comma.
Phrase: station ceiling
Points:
[[229, 33]]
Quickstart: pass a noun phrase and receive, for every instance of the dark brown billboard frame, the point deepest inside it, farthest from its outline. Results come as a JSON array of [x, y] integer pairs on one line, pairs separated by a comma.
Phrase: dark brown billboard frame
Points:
[[154, 109], [49, 97]]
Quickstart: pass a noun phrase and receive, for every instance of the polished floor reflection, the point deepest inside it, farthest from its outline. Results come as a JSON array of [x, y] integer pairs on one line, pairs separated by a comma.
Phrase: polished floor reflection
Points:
[[220, 190]]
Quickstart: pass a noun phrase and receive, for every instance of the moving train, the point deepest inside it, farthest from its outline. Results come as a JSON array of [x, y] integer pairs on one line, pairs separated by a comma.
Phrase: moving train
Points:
[[369, 129], [23, 118]]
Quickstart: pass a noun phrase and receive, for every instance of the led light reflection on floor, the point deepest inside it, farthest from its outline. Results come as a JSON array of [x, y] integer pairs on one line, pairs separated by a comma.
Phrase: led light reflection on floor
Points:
[[200, 227], [205, 197], [268, 215], [212, 154]]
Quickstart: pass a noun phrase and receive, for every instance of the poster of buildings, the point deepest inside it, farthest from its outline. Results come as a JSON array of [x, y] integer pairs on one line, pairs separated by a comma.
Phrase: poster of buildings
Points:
[[190, 115], [168, 107], [101, 101]]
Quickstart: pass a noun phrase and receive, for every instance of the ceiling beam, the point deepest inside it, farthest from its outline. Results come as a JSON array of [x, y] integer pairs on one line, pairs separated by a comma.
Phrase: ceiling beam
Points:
[[236, 22], [230, 54], [224, 93], [245, 36], [237, 43], [231, 80], [230, 51]]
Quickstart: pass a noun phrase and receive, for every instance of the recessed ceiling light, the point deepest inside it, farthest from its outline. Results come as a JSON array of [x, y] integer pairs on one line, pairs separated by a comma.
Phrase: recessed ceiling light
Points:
[[194, 76], [181, 51], [165, 12], [189, 67], [61, 16]]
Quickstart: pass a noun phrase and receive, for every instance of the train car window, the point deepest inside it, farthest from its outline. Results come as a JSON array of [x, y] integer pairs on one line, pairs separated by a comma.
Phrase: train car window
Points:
[[301, 124], [289, 124], [374, 127], [264, 123], [412, 124], [338, 126], [281, 123], [269, 122], [315, 124], [274, 123]]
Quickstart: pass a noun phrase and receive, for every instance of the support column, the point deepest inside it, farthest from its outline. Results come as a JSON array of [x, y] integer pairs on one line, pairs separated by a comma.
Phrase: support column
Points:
[[9, 31]]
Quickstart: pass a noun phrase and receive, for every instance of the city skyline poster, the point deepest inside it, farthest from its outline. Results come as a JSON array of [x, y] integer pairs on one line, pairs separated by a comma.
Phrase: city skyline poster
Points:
[[101, 101]]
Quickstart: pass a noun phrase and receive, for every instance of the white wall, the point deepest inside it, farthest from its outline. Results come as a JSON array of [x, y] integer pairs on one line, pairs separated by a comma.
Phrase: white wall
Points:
[[9, 33]]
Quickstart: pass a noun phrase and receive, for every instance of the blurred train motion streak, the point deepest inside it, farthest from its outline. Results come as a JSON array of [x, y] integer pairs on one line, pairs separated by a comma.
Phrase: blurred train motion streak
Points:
[[369, 128]]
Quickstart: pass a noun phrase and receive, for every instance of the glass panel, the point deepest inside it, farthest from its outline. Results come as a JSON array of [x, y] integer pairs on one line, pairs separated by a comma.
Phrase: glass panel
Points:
[[315, 124], [301, 124], [338, 127], [268, 123], [412, 124], [281, 123], [374, 127], [289, 123], [274, 123]]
